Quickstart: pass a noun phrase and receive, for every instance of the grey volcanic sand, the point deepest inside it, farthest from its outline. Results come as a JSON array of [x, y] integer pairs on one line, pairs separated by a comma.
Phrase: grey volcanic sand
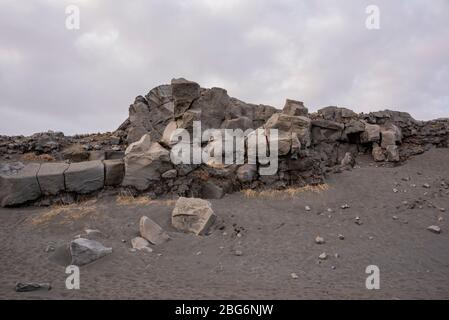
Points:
[[278, 238]]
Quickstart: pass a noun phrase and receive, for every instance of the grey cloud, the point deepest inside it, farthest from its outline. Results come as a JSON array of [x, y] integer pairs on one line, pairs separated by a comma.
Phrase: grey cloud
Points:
[[261, 51]]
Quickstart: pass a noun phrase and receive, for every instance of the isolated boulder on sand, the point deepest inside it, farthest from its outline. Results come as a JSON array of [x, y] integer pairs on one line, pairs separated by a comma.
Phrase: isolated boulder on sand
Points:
[[21, 186], [192, 215], [152, 232], [85, 251]]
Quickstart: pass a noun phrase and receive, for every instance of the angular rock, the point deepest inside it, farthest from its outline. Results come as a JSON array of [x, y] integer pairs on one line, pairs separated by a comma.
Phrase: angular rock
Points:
[[393, 153], [210, 190], [140, 146], [84, 251], [434, 229], [184, 93], [75, 153], [114, 172], [139, 243], [152, 232], [168, 132], [378, 153], [295, 108], [32, 286], [348, 160], [51, 178], [247, 173], [170, 174], [21, 186], [141, 169], [84, 177], [371, 133], [192, 215], [287, 125]]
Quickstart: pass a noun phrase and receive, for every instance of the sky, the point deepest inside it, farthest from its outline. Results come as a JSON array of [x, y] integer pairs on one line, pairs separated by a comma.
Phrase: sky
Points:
[[317, 51]]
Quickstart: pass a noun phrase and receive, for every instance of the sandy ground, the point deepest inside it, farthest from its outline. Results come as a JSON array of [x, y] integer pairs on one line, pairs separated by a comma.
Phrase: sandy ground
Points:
[[277, 239]]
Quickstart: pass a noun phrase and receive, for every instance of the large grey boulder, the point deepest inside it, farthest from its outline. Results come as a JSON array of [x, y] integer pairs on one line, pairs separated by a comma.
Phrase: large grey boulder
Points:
[[184, 93], [192, 215], [20, 186], [51, 178], [85, 251], [295, 108], [152, 232], [140, 146], [247, 173], [286, 126], [141, 169], [84, 177], [371, 133], [114, 171]]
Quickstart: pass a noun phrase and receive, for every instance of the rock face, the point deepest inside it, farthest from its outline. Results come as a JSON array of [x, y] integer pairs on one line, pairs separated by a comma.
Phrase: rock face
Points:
[[309, 145], [84, 177], [20, 187], [192, 215], [84, 251], [152, 232]]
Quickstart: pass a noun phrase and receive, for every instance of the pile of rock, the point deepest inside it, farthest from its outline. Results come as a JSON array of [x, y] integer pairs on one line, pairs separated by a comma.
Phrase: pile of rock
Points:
[[309, 145]]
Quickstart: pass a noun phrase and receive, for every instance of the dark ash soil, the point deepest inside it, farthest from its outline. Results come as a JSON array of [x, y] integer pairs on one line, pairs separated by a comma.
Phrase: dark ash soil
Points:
[[277, 238]]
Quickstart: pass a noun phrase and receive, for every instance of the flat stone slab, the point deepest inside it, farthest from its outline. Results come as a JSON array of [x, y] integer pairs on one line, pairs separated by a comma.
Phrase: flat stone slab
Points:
[[20, 187], [84, 177], [152, 232], [51, 178]]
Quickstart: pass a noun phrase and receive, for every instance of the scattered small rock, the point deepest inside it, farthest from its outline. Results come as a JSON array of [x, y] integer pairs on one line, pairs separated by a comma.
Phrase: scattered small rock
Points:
[[345, 206], [139, 243], [27, 287], [307, 208], [294, 276], [238, 253], [426, 185], [319, 240], [434, 229], [323, 256], [341, 237]]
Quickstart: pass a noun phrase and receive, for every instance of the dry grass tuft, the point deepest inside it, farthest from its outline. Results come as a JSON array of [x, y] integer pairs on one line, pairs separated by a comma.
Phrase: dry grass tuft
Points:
[[66, 213], [129, 200], [283, 194], [31, 156]]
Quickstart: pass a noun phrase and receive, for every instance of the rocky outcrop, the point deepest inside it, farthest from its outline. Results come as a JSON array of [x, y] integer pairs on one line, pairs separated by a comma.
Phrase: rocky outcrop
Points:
[[308, 145]]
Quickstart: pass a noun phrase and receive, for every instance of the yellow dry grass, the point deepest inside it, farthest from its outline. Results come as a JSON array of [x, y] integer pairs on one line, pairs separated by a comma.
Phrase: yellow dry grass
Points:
[[285, 193], [66, 214], [128, 200], [37, 158]]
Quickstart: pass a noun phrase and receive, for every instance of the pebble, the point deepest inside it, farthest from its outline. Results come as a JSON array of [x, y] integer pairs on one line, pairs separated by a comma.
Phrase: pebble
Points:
[[434, 229], [341, 237], [426, 185], [238, 253], [395, 218], [319, 240], [307, 208], [323, 256], [395, 190], [294, 276], [345, 206]]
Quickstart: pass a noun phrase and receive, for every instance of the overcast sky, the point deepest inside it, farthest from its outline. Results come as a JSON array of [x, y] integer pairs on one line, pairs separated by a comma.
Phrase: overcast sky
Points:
[[319, 51]]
